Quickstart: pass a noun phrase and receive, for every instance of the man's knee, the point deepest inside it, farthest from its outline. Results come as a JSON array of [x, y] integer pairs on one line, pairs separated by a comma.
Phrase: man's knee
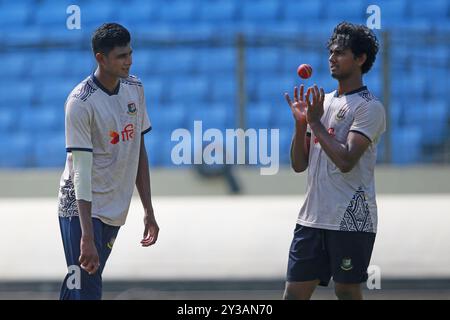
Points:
[[348, 291], [299, 290]]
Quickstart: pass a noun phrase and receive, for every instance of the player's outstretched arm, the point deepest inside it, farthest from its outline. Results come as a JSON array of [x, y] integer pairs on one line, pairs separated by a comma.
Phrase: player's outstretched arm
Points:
[[300, 142], [343, 156], [151, 228]]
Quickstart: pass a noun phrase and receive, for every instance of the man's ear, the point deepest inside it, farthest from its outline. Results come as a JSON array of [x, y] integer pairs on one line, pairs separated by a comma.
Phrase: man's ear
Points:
[[361, 59], [100, 58]]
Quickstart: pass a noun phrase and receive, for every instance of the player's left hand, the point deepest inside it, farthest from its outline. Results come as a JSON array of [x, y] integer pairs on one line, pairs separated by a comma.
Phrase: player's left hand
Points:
[[315, 108], [151, 231]]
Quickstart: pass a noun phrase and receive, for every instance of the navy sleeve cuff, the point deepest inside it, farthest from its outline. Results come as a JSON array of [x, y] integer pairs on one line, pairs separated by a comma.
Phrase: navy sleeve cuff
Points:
[[78, 149], [147, 130]]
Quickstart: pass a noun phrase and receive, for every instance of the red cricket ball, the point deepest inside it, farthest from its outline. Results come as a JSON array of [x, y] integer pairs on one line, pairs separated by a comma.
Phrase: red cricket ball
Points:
[[304, 71]]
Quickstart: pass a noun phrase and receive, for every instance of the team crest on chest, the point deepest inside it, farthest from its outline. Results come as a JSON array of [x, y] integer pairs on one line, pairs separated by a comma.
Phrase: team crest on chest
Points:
[[341, 114], [131, 108]]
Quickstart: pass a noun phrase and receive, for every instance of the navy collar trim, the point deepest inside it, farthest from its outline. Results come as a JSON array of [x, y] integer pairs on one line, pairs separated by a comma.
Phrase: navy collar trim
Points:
[[109, 93], [352, 92]]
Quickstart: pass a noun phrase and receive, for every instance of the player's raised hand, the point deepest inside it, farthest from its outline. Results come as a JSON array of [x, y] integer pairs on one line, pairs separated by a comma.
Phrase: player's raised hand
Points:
[[89, 260], [151, 231], [298, 106], [315, 107]]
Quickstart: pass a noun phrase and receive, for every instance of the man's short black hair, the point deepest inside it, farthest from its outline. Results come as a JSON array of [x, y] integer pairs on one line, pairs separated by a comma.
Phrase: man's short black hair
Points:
[[108, 36], [359, 39]]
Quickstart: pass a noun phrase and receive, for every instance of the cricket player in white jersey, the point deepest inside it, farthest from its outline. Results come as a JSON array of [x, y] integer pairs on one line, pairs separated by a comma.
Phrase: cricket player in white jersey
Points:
[[106, 120], [336, 136]]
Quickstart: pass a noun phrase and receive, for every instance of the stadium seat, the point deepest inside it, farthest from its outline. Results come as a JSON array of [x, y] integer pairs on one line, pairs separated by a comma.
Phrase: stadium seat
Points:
[[50, 63], [189, 89], [153, 88], [53, 13], [259, 116], [15, 150], [137, 12], [15, 94], [346, 10], [435, 119], [54, 92], [152, 145], [215, 60], [7, 120], [49, 150], [179, 61], [14, 14], [168, 117], [292, 58], [263, 60], [218, 11], [285, 135], [406, 144], [438, 9], [24, 36], [224, 90], [43, 119], [177, 11], [391, 10], [272, 89], [304, 11], [260, 11], [14, 65]]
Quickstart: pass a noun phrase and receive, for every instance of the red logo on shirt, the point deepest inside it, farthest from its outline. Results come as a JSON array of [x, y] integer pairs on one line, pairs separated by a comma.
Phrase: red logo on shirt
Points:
[[127, 133], [330, 132], [115, 137]]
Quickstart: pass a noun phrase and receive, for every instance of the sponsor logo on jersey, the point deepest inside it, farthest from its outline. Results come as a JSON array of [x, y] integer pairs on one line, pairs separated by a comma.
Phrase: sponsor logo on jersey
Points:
[[115, 138], [125, 135]]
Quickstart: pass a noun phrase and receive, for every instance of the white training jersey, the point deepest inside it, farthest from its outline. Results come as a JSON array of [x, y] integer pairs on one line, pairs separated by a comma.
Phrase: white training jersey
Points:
[[108, 124], [336, 200]]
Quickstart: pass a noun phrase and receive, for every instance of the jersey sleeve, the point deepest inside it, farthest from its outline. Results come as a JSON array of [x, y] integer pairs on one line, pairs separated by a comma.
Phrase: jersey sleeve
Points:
[[370, 121], [78, 126], [145, 124]]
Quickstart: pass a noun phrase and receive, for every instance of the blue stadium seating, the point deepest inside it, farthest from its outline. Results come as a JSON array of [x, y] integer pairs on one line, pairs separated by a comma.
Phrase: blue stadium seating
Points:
[[348, 10], [406, 146], [134, 12], [176, 11], [42, 119], [174, 61], [256, 12], [14, 66], [16, 94], [189, 89], [153, 91], [438, 9], [259, 116], [7, 120], [49, 150], [185, 53], [50, 64], [303, 11], [263, 60], [15, 150], [224, 90], [224, 60], [13, 15], [217, 11]]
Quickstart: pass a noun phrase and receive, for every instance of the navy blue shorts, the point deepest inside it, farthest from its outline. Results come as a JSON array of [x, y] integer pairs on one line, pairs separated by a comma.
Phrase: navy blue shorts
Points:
[[78, 284], [319, 254]]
